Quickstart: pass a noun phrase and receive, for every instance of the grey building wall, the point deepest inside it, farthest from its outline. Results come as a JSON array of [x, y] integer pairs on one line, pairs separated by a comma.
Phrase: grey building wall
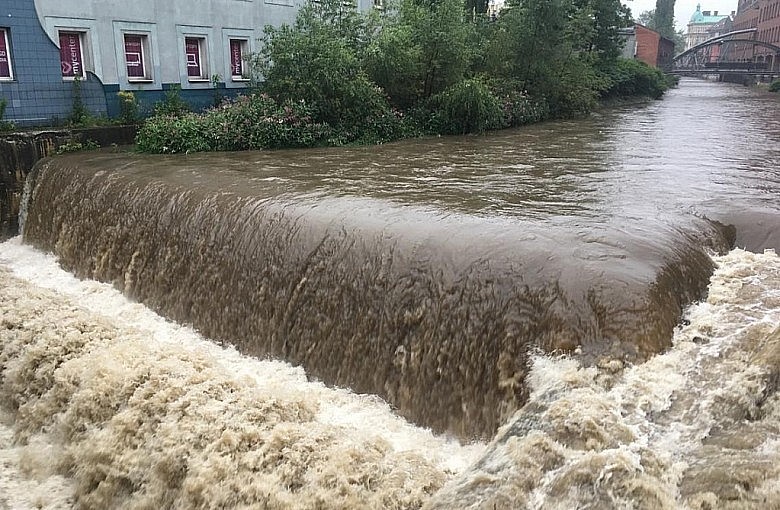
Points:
[[167, 23], [38, 94]]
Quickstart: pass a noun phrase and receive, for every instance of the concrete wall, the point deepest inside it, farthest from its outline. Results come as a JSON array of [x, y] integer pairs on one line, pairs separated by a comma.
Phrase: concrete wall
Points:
[[38, 94], [166, 25]]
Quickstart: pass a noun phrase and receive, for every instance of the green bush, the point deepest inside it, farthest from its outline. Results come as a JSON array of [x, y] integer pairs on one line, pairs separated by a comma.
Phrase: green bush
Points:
[[4, 124], [77, 146], [634, 78], [774, 86], [173, 104], [518, 107], [128, 107], [468, 107], [248, 122]]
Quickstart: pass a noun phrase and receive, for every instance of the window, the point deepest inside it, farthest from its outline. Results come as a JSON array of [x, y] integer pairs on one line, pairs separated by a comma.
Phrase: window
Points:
[[238, 49], [136, 50], [6, 71], [194, 50], [71, 54]]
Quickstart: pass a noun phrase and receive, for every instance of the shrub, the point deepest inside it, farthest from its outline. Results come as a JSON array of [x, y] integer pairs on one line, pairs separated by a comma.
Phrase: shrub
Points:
[[79, 114], [248, 122], [173, 104], [4, 124], [128, 107], [468, 107], [774, 86], [77, 146], [517, 106], [634, 78]]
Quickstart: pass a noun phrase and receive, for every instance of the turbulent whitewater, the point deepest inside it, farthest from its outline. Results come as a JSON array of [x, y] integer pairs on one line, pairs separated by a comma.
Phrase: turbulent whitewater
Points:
[[108, 405]]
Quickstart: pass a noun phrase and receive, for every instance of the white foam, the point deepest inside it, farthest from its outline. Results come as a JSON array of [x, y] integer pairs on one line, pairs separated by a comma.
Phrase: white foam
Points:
[[365, 417]]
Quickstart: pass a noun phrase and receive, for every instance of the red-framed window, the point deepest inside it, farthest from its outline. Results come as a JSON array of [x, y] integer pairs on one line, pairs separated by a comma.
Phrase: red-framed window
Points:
[[6, 69], [71, 54]]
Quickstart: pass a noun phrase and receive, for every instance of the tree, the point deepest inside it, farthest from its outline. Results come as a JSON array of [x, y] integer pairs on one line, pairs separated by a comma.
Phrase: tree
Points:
[[422, 49], [605, 17], [476, 6], [649, 19], [664, 18], [318, 61]]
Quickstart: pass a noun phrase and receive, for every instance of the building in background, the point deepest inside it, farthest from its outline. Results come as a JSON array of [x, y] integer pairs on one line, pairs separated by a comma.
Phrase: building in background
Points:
[[764, 17], [648, 46], [50, 49], [700, 25]]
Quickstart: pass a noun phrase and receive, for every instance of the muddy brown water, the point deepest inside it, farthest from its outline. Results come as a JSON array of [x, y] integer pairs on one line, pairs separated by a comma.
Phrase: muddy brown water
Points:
[[425, 271]]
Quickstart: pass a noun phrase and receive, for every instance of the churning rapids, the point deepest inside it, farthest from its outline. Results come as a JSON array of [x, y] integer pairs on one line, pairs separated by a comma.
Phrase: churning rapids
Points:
[[564, 300]]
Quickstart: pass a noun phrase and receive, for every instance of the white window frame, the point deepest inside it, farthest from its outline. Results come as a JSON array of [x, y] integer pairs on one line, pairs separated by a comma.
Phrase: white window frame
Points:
[[247, 35], [82, 42], [203, 56], [152, 67], [148, 76], [208, 64], [91, 57], [7, 40], [244, 42]]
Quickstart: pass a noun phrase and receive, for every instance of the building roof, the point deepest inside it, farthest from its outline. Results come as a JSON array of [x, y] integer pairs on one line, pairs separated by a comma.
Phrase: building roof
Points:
[[706, 17]]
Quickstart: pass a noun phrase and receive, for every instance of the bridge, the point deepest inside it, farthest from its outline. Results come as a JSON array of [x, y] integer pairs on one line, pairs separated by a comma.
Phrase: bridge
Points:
[[731, 53]]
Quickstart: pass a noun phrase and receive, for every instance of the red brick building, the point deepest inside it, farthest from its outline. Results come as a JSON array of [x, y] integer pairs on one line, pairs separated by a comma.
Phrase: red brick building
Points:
[[652, 48], [763, 15]]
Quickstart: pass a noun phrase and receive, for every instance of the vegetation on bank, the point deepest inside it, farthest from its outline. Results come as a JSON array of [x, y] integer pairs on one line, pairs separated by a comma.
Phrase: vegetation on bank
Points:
[[338, 76]]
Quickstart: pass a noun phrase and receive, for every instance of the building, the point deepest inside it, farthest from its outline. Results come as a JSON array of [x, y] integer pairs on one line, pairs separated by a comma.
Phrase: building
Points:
[[53, 50], [764, 16], [647, 45], [700, 25]]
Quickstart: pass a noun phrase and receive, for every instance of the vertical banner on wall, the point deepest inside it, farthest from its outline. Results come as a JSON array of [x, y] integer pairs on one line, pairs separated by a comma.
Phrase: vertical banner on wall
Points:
[[70, 54], [192, 50], [236, 58], [5, 58], [134, 56]]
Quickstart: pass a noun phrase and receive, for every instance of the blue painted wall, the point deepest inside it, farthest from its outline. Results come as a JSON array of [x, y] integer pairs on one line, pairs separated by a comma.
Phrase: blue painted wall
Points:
[[198, 99], [38, 95]]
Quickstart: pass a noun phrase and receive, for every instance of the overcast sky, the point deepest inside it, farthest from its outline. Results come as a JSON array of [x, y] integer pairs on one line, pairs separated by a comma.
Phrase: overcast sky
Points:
[[683, 9]]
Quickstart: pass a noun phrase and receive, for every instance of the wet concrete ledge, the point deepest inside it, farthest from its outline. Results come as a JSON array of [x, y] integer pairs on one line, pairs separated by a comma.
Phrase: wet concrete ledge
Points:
[[19, 151]]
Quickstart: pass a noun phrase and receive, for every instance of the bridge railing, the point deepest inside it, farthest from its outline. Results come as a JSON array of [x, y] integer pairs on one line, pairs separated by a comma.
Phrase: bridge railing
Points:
[[739, 66]]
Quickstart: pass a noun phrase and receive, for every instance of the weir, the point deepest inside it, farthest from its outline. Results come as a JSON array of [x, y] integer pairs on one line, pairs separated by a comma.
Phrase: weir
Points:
[[432, 307]]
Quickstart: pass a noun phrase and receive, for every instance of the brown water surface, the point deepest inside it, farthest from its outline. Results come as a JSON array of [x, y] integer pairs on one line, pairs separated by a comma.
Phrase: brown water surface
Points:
[[425, 271]]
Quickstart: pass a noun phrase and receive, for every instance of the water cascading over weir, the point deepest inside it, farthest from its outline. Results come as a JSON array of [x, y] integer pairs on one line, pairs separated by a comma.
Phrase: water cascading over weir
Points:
[[432, 306]]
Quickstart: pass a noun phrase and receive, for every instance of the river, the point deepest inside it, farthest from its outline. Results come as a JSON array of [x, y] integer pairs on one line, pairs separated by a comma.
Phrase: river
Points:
[[522, 293]]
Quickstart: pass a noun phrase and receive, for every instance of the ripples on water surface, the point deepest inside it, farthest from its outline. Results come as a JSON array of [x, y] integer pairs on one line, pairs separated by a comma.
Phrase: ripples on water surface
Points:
[[444, 262]]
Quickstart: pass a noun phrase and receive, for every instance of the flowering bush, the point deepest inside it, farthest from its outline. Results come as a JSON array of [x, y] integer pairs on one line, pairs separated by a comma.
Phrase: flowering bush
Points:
[[248, 122]]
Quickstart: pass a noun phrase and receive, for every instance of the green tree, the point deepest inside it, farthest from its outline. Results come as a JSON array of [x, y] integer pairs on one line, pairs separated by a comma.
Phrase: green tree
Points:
[[649, 19], [606, 18], [422, 49], [550, 49], [664, 18], [318, 60], [476, 6]]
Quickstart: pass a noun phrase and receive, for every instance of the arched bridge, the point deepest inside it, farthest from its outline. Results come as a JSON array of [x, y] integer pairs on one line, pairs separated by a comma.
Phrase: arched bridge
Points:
[[736, 52]]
